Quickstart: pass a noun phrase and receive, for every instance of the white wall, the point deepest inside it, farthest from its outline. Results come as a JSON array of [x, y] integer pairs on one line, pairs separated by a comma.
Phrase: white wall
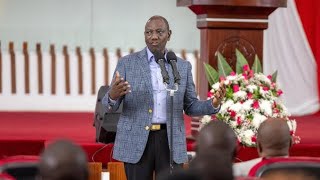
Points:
[[93, 23]]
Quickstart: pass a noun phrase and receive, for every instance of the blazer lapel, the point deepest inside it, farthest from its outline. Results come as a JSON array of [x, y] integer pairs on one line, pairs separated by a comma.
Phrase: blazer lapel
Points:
[[145, 69]]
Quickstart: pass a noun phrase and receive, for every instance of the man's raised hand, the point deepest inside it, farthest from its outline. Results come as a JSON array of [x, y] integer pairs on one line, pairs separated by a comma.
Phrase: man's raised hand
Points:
[[119, 87]]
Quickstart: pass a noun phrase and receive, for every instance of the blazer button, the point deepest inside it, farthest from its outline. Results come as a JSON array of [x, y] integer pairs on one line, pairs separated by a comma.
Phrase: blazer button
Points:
[[150, 110], [147, 128]]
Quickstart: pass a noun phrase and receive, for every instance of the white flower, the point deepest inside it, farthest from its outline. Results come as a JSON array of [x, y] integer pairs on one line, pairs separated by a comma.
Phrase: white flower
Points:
[[216, 86], [266, 107], [240, 95], [247, 136], [226, 105], [258, 119], [292, 125], [206, 119], [247, 105], [231, 78], [252, 88], [263, 78], [236, 107]]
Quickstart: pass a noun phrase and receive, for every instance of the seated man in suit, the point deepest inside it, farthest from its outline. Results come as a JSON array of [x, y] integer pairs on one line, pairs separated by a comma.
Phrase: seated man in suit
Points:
[[63, 160], [273, 140]]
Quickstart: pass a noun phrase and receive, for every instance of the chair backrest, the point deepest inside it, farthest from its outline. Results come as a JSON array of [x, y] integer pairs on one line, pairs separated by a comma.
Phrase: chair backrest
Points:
[[5, 176], [20, 167], [304, 165]]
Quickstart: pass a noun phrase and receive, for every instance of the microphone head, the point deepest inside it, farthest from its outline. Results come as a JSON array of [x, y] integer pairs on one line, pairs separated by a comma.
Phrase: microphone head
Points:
[[158, 55], [171, 56]]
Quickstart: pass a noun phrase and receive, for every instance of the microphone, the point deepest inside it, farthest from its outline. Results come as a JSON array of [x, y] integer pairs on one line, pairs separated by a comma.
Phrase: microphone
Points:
[[159, 57], [172, 58]]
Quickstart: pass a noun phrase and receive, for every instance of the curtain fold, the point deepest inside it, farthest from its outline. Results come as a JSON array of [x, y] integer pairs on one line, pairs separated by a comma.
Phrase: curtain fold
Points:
[[288, 51]]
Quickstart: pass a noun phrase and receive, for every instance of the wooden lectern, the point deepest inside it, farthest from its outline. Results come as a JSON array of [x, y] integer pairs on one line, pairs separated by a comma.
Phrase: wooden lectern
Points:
[[229, 24]]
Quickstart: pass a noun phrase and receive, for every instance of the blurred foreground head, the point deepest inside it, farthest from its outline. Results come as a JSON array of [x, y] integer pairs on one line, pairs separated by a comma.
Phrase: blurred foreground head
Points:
[[63, 160], [216, 149], [217, 136]]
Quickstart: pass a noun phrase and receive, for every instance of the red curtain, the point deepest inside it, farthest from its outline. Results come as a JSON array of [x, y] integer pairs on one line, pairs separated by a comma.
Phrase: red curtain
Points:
[[309, 11]]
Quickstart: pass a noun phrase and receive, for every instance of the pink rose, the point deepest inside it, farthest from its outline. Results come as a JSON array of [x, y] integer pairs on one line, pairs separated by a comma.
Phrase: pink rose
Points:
[[246, 67], [279, 92], [235, 88], [245, 76], [233, 113], [249, 95], [269, 77], [255, 105], [210, 94], [232, 73], [265, 88], [239, 120], [222, 78]]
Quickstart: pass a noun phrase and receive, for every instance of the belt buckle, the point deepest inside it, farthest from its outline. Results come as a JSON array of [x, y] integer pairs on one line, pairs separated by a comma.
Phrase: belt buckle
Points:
[[155, 127]]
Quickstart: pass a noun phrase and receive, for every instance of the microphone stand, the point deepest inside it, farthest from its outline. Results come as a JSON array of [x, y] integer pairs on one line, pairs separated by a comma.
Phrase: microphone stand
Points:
[[171, 93]]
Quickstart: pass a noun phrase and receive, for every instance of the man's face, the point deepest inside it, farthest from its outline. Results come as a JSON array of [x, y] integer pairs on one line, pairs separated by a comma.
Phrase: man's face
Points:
[[156, 35]]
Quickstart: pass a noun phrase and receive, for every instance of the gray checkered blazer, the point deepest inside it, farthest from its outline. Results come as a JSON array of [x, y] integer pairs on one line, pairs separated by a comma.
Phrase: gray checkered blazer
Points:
[[132, 136]]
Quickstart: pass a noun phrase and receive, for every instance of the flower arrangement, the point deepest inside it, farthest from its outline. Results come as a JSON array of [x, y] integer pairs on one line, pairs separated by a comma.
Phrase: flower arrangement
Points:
[[251, 97]]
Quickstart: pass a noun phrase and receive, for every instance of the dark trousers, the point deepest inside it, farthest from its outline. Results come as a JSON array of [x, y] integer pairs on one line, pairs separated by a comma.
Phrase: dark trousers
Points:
[[156, 157]]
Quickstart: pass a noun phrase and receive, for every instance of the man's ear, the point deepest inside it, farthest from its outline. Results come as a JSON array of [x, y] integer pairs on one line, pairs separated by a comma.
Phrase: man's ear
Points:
[[259, 148], [169, 35]]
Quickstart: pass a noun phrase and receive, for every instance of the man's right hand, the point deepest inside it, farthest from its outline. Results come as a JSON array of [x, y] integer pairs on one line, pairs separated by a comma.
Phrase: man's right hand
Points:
[[119, 87]]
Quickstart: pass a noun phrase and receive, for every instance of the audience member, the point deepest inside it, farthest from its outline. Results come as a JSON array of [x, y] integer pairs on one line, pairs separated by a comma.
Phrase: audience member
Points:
[[273, 140], [63, 160], [215, 151]]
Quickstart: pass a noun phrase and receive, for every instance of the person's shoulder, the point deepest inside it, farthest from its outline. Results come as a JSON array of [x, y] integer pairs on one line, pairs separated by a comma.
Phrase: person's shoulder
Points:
[[132, 56], [183, 62], [249, 162]]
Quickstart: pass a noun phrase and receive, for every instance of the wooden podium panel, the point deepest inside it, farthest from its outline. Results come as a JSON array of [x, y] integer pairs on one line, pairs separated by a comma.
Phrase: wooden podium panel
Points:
[[95, 170], [116, 170], [229, 24]]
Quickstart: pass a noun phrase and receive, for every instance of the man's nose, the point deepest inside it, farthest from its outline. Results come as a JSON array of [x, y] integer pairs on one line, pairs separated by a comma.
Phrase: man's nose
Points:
[[154, 35]]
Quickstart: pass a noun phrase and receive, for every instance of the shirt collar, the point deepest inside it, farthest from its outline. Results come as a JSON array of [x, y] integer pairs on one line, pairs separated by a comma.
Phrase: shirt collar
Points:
[[150, 55]]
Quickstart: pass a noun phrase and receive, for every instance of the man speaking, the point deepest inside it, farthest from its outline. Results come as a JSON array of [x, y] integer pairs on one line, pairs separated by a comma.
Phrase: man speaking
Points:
[[142, 140]]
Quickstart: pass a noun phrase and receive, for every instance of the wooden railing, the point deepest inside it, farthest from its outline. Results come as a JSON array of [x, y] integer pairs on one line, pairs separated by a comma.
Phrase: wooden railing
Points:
[[52, 77]]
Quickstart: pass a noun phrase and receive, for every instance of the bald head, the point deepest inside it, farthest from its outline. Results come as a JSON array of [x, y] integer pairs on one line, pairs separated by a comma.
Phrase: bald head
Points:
[[216, 136], [63, 160], [157, 17], [216, 147], [274, 138]]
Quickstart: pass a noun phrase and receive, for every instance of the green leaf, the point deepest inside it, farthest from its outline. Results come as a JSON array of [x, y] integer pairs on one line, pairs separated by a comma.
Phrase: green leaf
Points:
[[229, 92], [211, 74], [256, 67], [241, 61], [274, 76], [223, 66]]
